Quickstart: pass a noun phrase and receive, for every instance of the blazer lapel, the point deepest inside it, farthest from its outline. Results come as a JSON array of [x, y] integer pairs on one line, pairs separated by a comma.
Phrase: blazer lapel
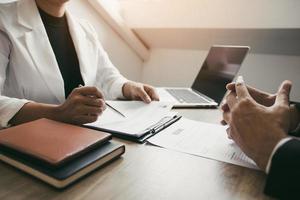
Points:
[[39, 47], [85, 49]]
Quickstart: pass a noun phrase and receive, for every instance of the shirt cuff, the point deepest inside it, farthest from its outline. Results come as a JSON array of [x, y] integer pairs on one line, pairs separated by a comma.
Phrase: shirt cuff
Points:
[[278, 145], [9, 110], [117, 92]]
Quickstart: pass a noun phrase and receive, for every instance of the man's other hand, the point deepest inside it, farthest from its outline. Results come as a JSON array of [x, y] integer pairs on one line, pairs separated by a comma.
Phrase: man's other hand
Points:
[[139, 91]]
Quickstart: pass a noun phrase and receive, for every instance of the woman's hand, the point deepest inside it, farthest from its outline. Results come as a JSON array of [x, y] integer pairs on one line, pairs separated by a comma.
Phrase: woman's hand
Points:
[[83, 105], [139, 91]]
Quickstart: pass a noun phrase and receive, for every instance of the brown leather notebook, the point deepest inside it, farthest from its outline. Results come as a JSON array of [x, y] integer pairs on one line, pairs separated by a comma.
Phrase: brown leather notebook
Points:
[[50, 141]]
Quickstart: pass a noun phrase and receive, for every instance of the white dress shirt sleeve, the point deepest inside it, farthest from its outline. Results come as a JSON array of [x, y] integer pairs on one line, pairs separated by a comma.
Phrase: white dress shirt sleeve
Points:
[[8, 106]]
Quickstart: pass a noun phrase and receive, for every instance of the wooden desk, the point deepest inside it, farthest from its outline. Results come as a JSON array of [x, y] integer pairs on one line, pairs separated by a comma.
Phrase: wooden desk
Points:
[[148, 172]]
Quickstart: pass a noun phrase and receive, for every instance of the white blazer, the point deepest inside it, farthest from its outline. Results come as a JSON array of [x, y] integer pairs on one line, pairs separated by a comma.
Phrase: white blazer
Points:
[[28, 67]]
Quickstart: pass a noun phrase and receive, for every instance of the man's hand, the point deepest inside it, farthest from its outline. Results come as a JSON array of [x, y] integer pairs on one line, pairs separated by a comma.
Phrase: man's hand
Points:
[[260, 97], [257, 128], [83, 105], [138, 91], [264, 99]]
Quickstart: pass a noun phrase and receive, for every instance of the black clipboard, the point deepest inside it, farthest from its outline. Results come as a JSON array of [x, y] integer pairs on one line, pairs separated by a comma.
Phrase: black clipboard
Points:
[[145, 134]]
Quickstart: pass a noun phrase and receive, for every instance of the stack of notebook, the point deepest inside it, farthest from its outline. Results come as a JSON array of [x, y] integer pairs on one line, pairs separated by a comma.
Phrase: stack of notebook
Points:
[[56, 153]]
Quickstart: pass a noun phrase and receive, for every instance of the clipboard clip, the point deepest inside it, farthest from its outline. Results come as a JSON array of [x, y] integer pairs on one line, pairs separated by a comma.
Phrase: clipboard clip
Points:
[[159, 126]]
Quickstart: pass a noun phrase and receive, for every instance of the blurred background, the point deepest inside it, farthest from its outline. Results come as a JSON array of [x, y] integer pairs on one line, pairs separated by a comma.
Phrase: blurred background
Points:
[[164, 42]]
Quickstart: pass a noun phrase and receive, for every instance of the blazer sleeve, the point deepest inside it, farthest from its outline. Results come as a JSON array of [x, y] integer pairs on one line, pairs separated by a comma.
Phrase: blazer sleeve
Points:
[[298, 106], [284, 175], [296, 132], [8, 106], [108, 76], [109, 79], [298, 128]]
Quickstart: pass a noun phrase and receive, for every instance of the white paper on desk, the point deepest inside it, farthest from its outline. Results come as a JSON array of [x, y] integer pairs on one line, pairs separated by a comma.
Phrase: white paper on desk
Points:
[[130, 109], [139, 116], [135, 108], [202, 139]]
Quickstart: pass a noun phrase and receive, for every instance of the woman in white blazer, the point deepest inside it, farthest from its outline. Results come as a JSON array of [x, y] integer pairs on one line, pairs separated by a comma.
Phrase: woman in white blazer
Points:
[[31, 83]]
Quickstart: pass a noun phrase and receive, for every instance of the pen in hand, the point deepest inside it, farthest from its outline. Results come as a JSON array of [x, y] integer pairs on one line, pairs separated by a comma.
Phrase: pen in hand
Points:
[[111, 107], [114, 109]]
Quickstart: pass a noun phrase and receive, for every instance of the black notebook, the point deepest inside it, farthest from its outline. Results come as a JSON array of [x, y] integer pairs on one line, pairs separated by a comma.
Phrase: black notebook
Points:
[[66, 174]]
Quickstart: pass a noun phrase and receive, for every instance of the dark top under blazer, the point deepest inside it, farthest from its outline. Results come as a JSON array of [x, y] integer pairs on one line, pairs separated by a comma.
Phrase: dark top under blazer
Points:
[[62, 44]]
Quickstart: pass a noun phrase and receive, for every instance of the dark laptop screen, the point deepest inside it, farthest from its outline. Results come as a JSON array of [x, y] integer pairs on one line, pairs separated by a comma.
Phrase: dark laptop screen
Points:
[[219, 68]]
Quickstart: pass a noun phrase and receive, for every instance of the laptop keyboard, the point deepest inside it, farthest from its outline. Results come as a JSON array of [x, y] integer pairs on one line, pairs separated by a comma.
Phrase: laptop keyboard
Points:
[[186, 96]]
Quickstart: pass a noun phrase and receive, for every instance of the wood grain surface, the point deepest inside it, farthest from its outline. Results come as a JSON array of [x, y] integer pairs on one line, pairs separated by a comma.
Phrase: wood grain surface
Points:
[[147, 172]]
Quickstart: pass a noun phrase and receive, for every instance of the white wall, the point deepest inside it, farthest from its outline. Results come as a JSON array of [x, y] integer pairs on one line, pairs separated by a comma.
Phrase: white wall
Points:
[[175, 67], [212, 13], [180, 36], [262, 41], [119, 52], [178, 67]]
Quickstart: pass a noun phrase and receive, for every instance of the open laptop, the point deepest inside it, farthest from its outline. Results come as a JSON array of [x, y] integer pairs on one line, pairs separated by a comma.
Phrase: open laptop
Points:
[[219, 68]]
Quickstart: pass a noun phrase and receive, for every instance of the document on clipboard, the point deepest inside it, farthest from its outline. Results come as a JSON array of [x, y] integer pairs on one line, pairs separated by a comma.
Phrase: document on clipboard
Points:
[[141, 120]]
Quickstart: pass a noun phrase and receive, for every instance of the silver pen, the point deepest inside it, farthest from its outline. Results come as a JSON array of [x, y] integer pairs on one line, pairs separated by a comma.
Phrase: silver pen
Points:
[[115, 109]]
